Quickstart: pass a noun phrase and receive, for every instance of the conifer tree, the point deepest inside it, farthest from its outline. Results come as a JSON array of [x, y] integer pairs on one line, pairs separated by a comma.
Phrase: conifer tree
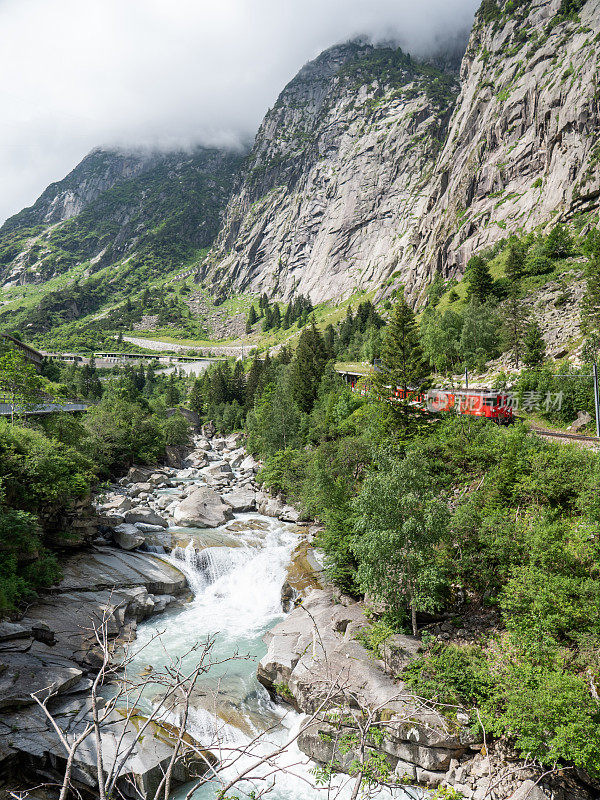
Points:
[[515, 320], [307, 368], [276, 317], [534, 348], [402, 362], [252, 316], [329, 338], [253, 381], [287, 317], [196, 396], [268, 320], [515, 263], [480, 280]]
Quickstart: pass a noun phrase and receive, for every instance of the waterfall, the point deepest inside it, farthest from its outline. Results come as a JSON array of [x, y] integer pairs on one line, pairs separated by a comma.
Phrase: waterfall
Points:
[[237, 598]]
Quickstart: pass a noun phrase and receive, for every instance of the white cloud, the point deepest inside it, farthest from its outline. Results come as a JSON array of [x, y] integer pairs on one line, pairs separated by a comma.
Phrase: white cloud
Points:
[[75, 74]]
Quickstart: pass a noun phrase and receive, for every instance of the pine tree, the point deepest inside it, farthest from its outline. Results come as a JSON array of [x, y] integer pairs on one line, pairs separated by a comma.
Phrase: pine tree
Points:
[[307, 368], [402, 361], [252, 316], [253, 381], [172, 395], [238, 383], [534, 348], [196, 397], [515, 319], [268, 320], [287, 317], [329, 338], [480, 280], [515, 263], [276, 317]]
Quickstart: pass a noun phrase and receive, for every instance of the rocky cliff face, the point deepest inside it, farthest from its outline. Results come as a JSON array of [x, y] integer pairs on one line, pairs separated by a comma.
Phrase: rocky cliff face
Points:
[[523, 147], [359, 177], [338, 176], [116, 204]]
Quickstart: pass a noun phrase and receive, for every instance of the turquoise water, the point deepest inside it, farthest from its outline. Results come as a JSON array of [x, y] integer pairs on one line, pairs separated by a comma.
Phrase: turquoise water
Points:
[[236, 601]]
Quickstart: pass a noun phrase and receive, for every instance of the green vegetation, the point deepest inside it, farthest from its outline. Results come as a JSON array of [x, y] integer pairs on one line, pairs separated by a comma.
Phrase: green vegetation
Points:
[[49, 464]]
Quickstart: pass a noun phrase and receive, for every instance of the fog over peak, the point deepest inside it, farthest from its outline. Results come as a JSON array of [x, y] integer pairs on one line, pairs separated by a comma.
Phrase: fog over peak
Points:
[[76, 74]]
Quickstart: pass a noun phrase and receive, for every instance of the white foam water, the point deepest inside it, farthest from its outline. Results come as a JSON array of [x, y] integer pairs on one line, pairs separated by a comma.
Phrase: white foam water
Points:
[[237, 598]]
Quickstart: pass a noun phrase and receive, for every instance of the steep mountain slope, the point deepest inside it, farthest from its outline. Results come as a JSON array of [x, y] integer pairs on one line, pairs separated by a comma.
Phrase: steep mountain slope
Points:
[[523, 149], [157, 208], [338, 176], [356, 178]]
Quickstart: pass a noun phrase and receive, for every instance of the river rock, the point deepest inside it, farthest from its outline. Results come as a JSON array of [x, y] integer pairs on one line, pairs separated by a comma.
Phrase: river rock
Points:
[[217, 470], [138, 475], [145, 514], [289, 514], [127, 536], [202, 509], [249, 464], [141, 488], [314, 651], [38, 670], [240, 500], [114, 503], [237, 458]]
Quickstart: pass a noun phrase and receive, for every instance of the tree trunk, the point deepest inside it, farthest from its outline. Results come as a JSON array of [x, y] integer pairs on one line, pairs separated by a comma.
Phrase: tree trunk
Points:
[[413, 619]]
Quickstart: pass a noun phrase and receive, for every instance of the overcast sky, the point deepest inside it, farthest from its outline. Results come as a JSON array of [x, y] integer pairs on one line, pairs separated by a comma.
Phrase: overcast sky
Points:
[[75, 74]]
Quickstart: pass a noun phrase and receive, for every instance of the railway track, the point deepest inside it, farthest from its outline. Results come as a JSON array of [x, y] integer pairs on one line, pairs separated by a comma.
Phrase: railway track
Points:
[[558, 435]]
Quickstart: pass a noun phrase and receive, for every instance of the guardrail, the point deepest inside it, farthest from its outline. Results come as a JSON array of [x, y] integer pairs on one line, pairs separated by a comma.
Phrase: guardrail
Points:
[[7, 408]]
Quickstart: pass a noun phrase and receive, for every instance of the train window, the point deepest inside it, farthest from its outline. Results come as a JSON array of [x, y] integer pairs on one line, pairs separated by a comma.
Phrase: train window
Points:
[[488, 401]]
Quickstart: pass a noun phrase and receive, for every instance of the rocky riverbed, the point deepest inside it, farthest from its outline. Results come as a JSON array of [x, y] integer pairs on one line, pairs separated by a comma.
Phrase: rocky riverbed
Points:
[[211, 504]]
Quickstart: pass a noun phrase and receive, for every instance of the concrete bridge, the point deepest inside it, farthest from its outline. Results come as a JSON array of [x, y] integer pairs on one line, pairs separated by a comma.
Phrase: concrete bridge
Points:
[[45, 406]]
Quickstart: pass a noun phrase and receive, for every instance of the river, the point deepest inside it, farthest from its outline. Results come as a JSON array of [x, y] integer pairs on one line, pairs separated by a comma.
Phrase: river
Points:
[[236, 583]]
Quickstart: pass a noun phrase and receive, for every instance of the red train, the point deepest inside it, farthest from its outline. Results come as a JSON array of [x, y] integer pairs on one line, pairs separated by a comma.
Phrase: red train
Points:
[[488, 403], [493, 405]]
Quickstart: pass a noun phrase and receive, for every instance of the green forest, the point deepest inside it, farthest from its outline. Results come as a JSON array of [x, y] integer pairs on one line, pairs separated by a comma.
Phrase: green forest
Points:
[[427, 516]]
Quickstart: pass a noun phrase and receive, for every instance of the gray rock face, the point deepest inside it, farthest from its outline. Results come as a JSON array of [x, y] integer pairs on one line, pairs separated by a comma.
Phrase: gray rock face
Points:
[[240, 500], [312, 652], [202, 509], [144, 514], [356, 179], [50, 650], [127, 536]]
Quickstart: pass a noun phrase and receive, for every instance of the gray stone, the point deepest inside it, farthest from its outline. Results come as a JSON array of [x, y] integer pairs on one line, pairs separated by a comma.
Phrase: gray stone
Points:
[[145, 514], [128, 536], [202, 509], [240, 500], [529, 791]]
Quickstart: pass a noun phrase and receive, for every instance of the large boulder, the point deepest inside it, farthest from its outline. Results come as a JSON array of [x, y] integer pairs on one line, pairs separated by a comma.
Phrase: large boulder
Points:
[[315, 655], [240, 500], [145, 514], [127, 536], [202, 509]]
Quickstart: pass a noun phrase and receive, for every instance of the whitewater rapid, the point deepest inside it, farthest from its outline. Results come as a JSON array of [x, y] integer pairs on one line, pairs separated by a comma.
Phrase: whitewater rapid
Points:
[[236, 584]]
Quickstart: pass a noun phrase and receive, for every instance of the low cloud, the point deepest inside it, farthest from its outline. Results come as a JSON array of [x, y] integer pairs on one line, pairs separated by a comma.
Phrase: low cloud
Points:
[[169, 73]]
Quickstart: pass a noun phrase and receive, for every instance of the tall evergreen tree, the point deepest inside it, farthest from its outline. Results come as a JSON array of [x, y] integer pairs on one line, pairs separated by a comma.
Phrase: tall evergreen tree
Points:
[[515, 320], [276, 317], [253, 381], [402, 361], [480, 280], [268, 320], [307, 368], [252, 316], [196, 397], [534, 348], [287, 317]]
